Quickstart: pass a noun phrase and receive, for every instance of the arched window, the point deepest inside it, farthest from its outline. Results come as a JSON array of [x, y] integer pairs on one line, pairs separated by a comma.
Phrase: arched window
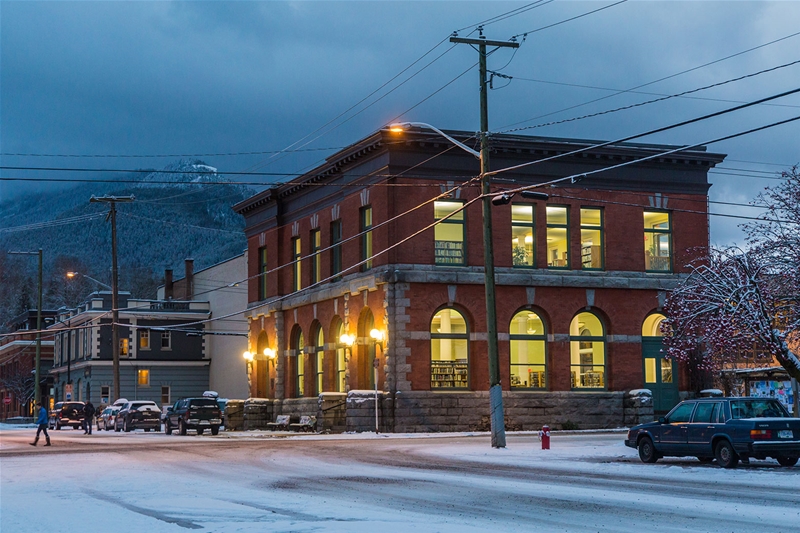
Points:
[[341, 362], [652, 325], [658, 370], [449, 350], [587, 347], [298, 346], [319, 355], [527, 338]]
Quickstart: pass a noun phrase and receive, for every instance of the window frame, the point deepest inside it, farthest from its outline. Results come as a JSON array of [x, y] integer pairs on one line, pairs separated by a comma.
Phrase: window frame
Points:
[[461, 222], [532, 226], [263, 256], [142, 372], [453, 336], [601, 229], [144, 333], [168, 395], [168, 336], [653, 231], [593, 339], [298, 346], [565, 226], [366, 236], [336, 249], [297, 270], [315, 240], [319, 360], [520, 337]]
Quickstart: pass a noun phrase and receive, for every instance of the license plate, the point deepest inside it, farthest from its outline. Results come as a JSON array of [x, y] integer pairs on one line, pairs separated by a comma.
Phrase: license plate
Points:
[[205, 423], [785, 434]]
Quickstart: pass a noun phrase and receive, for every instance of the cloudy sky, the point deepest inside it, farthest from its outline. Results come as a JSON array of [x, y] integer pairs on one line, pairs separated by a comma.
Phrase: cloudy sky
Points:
[[159, 79]]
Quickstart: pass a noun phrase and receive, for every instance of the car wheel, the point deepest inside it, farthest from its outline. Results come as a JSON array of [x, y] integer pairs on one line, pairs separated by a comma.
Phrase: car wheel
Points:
[[647, 451], [116, 427], [787, 461], [181, 427], [706, 460], [167, 428], [215, 430], [200, 431], [726, 456]]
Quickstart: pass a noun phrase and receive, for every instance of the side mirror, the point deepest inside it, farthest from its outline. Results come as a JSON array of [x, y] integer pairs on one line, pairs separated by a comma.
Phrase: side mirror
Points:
[[662, 420]]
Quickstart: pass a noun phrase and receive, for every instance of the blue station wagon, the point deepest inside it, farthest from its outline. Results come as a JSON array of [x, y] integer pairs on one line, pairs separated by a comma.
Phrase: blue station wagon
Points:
[[725, 429]]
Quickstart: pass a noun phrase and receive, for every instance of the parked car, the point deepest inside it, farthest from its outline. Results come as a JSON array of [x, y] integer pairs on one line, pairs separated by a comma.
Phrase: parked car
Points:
[[221, 402], [138, 414], [725, 429], [66, 414], [107, 417], [193, 413]]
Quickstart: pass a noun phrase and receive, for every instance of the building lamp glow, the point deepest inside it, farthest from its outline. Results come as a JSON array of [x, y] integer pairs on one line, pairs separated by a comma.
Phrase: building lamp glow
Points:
[[347, 340], [377, 335], [270, 353], [248, 356]]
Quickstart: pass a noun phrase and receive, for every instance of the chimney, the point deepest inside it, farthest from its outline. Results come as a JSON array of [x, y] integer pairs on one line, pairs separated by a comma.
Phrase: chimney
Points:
[[168, 284], [189, 279]]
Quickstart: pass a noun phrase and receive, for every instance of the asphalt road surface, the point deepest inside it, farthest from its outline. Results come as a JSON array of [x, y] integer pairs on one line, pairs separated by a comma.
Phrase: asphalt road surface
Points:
[[588, 482]]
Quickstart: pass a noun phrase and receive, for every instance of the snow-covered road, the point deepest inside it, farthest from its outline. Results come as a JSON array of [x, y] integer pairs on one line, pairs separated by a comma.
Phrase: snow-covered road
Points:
[[364, 483]]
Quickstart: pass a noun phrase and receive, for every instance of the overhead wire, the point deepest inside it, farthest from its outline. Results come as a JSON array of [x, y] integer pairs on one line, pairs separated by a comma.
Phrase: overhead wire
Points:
[[526, 33]]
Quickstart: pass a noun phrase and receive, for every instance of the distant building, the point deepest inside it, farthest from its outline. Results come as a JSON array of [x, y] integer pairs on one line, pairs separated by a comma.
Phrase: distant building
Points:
[[18, 362], [224, 287], [157, 362], [581, 279]]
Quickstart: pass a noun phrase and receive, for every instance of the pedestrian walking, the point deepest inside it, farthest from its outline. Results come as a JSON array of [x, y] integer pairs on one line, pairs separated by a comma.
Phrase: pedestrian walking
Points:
[[42, 423], [88, 416]]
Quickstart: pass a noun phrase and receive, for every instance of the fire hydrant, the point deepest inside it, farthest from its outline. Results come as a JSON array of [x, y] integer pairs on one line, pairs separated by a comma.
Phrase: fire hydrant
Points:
[[544, 436]]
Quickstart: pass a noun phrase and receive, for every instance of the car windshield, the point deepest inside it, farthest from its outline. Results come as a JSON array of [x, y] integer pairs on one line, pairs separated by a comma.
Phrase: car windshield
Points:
[[202, 403], [758, 409]]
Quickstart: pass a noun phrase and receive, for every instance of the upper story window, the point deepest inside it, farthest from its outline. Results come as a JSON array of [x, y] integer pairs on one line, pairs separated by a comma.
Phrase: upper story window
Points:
[[166, 340], [297, 252], [124, 347], [557, 237], [144, 339], [336, 247], [591, 238], [316, 266], [262, 273], [366, 237], [523, 251], [450, 234], [657, 241]]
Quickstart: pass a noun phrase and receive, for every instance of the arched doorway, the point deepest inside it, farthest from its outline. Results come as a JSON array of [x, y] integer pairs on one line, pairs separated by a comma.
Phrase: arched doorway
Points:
[[660, 373], [365, 349]]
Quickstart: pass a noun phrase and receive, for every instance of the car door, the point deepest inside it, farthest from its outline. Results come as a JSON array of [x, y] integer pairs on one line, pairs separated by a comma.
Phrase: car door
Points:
[[675, 430], [703, 427], [173, 415]]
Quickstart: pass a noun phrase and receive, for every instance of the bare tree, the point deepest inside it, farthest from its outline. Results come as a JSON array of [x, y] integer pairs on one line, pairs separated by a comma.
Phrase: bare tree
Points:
[[21, 383]]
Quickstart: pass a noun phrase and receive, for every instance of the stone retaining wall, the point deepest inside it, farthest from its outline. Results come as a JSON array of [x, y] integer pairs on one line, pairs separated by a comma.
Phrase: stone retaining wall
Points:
[[361, 411], [258, 412], [234, 415], [332, 415]]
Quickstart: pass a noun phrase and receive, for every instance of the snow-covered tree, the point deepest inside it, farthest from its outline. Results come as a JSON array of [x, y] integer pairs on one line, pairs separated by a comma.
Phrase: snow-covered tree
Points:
[[737, 301]]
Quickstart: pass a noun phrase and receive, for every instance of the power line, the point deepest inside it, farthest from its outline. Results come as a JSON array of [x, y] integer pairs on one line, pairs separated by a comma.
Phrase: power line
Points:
[[658, 80], [507, 14], [525, 34]]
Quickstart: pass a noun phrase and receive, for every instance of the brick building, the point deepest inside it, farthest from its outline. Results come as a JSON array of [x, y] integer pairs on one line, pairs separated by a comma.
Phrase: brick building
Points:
[[580, 281]]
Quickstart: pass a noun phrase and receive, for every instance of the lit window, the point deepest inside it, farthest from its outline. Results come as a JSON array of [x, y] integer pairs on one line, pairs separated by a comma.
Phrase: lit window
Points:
[[557, 237], [366, 237], [298, 346], [449, 351], [522, 236], [657, 242], [591, 238], [316, 265], [341, 361], [587, 347], [143, 378], [449, 234], [166, 340], [319, 359], [144, 339], [296, 254], [124, 347], [528, 364]]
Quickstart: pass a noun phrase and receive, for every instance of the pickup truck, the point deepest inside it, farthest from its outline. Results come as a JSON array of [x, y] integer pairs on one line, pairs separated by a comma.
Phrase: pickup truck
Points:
[[193, 413]]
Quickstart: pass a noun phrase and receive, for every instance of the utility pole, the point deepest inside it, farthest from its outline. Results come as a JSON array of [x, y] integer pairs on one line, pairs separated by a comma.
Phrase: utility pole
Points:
[[495, 390], [112, 215], [37, 391]]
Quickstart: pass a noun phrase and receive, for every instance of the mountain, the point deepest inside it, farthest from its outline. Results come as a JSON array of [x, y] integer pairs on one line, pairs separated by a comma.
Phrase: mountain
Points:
[[181, 211]]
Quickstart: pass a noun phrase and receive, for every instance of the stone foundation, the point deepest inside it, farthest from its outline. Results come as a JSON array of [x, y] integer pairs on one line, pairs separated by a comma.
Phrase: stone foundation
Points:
[[361, 411], [234, 415], [258, 412], [332, 412]]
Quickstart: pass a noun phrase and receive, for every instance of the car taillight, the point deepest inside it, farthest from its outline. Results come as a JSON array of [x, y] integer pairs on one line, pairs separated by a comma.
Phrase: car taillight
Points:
[[760, 434]]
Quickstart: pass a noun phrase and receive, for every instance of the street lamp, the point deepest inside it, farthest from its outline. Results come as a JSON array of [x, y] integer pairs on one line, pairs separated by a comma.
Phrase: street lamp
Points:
[[347, 341], [377, 336], [37, 392], [72, 275]]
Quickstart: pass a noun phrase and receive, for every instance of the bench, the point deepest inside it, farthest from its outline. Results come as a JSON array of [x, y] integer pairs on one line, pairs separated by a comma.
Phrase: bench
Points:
[[307, 424], [281, 422]]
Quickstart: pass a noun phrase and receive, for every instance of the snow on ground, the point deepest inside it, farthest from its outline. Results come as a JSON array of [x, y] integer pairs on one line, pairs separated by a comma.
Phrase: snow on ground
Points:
[[261, 481]]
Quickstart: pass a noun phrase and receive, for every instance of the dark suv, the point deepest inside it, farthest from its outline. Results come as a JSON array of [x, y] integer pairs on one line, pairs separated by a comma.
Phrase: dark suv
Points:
[[67, 414], [138, 414], [193, 413], [725, 429]]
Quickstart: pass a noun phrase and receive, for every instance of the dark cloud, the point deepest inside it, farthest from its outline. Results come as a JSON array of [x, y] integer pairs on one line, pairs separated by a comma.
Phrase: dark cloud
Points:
[[201, 77]]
